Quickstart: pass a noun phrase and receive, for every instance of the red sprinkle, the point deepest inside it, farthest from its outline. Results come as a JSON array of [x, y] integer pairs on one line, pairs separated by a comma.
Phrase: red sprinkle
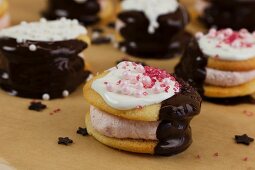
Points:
[[245, 159], [216, 154]]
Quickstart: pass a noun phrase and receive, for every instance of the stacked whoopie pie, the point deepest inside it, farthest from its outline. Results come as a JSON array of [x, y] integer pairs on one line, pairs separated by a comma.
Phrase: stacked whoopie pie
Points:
[[152, 28], [235, 14], [141, 109], [86, 11], [43, 59], [220, 64]]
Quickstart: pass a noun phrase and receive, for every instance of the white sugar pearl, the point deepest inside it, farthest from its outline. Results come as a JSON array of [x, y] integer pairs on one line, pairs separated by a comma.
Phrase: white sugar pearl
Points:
[[139, 85], [43, 20], [126, 75], [123, 49], [125, 90], [109, 87], [229, 31], [236, 44], [146, 80], [199, 35], [32, 47], [156, 89], [166, 81], [140, 68], [5, 76], [65, 93], [133, 79], [46, 96]]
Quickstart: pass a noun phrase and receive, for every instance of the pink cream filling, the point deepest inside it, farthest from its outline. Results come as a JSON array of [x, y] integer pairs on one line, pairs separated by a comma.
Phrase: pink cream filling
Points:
[[228, 78], [116, 127]]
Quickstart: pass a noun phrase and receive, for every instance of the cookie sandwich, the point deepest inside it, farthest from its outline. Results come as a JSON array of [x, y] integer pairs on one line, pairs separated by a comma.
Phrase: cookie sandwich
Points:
[[4, 14], [152, 28], [141, 109], [86, 11], [235, 14], [221, 64], [43, 59]]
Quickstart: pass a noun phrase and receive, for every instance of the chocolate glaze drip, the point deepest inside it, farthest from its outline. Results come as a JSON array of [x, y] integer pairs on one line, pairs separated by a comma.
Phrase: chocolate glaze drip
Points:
[[86, 12], [192, 68], [167, 40], [51, 69], [174, 132], [236, 14]]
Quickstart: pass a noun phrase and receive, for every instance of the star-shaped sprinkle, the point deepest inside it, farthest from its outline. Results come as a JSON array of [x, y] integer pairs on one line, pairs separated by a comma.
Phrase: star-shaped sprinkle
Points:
[[82, 131], [243, 139], [37, 106], [64, 141]]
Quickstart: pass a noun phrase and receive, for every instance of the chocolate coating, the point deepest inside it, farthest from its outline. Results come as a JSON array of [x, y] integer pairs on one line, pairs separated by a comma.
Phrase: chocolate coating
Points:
[[235, 14], [174, 132], [86, 12], [53, 68], [167, 40], [192, 68]]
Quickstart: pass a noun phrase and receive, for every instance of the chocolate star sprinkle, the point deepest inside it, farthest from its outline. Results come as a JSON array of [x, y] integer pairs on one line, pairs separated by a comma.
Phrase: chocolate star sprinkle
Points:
[[82, 131], [37, 106], [65, 141], [243, 139]]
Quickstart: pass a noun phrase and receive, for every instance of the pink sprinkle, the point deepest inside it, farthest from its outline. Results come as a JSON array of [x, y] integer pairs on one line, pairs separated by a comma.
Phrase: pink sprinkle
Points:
[[139, 93], [126, 75], [156, 89], [125, 90], [145, 93], [109, 87], [139, 85], [167, 89], [118, 82]]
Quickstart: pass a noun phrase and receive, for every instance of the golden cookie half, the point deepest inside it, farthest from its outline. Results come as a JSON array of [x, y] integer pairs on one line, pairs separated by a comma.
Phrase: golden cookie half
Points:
[[237, 91], [148, 113], [226, 65], [131, 145]]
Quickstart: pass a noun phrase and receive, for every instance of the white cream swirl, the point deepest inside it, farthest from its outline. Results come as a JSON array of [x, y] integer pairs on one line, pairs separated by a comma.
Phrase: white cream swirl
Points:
[[228, 44], [57, 30], [130, 85], [152, 9]]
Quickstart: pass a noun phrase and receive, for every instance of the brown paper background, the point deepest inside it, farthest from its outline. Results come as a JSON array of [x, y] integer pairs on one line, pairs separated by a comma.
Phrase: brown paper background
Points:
[[28, 140]]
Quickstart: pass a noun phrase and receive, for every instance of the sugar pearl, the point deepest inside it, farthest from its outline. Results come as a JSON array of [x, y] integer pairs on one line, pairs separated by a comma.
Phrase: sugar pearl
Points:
[[133, 79], [125, 90], [212, 32], [126, 75], [109, 87], [228, 31], [236, 44], [140, 68], [65, 93], [199, 35], [138, 93], [156, 89], [220, 36], [146, 80], [32, 47], [5, 76], [166, 81], [139, 85], [124, 83], [46, 96]]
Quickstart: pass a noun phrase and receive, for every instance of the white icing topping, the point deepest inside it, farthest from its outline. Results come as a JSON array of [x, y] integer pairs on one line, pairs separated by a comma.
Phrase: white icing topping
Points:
[[152, 9], [58, 30], [228, 44], [130, 85]]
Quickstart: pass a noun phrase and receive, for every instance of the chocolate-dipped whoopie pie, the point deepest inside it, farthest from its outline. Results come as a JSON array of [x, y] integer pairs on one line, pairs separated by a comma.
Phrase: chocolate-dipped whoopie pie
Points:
[[43, 59], [235, 14], [86, 11], [141, 109], [221, 65], [152, 28]]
